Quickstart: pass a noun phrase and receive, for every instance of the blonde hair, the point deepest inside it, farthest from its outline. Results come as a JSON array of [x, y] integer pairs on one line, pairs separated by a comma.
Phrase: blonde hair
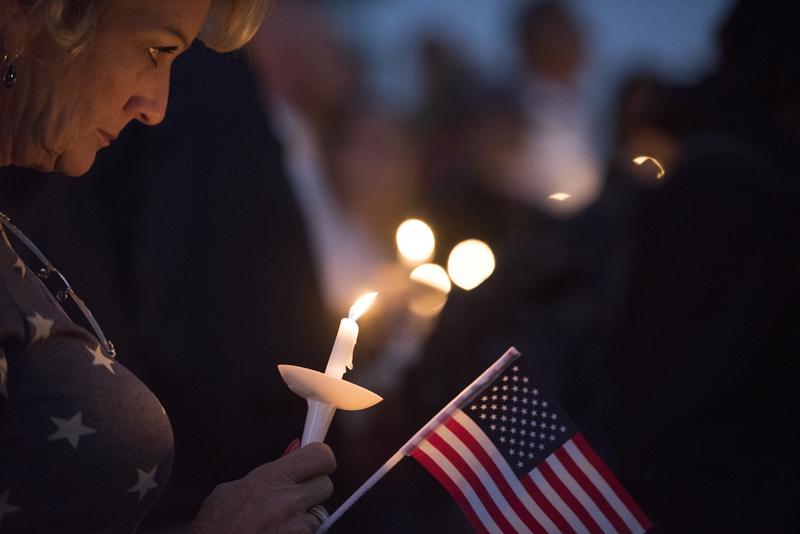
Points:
[[71, 23]]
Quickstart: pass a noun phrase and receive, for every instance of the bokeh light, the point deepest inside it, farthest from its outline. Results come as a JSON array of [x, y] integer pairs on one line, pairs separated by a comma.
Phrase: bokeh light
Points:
[[429, 292], [415, 241], [560, 197], [470, 263]]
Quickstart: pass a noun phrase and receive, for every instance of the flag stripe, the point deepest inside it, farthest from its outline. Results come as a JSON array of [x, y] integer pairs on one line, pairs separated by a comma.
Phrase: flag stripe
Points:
[[545, 504], [609, 477], [573, 503], [486, 491], [578, 492], [507, 482], [595, 493], [506, 501], [456, 483], [558, 503], [599, 482]]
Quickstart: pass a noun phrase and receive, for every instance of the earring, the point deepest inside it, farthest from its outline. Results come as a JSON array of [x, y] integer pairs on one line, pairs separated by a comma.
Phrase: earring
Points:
[[9, 74]]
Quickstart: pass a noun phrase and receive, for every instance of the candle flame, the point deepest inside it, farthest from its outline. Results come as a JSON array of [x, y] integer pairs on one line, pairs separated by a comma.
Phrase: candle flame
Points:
[[641, 159], [560, 197], [362, 305]]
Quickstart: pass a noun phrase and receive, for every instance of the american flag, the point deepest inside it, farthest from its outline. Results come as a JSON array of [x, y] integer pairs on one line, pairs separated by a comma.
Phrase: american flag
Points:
[[514, 462]]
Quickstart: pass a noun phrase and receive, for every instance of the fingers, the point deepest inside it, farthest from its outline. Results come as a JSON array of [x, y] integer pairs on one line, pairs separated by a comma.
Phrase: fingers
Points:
[[312, 460], [314, 491]]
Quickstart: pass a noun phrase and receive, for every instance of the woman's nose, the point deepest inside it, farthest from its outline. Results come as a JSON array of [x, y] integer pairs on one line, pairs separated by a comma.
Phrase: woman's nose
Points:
[[150, 106]]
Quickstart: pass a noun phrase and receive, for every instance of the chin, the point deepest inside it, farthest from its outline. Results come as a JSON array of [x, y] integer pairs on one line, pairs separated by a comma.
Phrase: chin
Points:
[[75, 163]]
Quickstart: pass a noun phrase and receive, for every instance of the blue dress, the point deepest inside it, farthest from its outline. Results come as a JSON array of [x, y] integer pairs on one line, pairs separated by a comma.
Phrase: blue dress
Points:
[[85, 447]]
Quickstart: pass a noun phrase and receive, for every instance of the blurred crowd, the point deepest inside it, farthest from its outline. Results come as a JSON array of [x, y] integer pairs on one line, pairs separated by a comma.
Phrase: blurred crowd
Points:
[[225, 242]]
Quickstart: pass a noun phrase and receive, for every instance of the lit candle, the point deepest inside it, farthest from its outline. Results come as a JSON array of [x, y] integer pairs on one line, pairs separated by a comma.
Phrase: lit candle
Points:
[[341, 358], [327, 392]]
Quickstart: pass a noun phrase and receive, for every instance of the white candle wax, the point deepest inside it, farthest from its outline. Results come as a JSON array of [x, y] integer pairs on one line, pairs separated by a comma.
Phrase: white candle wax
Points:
[[341, 357]]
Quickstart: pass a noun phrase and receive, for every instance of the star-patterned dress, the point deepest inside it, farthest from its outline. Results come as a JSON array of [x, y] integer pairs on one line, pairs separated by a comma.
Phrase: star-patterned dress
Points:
[[85, 447]]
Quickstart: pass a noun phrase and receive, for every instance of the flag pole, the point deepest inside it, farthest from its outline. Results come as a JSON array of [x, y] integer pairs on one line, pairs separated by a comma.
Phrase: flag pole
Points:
[[466, 395]]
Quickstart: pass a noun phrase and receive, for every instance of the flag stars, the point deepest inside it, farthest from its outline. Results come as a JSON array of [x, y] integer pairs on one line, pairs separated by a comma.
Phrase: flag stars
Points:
[[493, 427], [503, 418], [505, 379], [524, 400], [70, 429], [513, 409], [515, 368], [544, 404], [553, 416], [525, 390], [483, 416], [515, 388], [505, 387], [552, 427], [530, 455], [523, 422], [515, 378], [473, 407], [493, 417], [519, 464], [502, 439], [513, 419], [503, 428], [512, 452], [484, 398], [513, 430], [504, 397], [512, 441], [562, 428], [541, 447], [41, 327], [535, 391], [504, 408], [535, 402], [101, 359], [494, 388], [552, 437], [494, 397], [525, 379], [483, 407], [146, 482]]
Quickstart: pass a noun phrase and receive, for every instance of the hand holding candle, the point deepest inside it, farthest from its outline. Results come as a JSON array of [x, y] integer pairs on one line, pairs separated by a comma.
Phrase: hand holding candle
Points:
[[327, 392]]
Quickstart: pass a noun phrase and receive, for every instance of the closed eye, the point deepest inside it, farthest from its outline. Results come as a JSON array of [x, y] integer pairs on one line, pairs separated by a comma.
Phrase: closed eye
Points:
[[155, 52]]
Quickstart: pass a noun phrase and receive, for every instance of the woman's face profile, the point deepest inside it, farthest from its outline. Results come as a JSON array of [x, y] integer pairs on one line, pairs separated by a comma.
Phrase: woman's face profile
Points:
[[83, 104]]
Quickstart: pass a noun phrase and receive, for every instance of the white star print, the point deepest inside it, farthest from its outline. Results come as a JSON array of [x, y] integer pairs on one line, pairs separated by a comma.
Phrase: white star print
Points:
[[101, 359], [483, 416], [19, 264], [42, 327], [519, 464], [70, 429], [563, 428], [146, 482], [515, 369], [5, 507]]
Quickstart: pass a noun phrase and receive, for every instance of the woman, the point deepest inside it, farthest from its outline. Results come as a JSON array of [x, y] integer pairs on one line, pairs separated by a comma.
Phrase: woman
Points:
[[84, 446]]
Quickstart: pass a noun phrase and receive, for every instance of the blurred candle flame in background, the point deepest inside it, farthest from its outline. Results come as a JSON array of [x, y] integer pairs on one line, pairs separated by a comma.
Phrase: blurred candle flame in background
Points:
[[362, 305], [415, 241], [429, 293], [641, 159], [470, 263], [560, 197]]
